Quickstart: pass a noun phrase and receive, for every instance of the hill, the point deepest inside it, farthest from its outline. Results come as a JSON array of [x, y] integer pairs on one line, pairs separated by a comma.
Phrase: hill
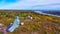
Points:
[[40, 24]]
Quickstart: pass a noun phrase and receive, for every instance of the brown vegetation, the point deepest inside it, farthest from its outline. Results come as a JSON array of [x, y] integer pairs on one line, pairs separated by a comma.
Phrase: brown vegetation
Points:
[[40, 24]]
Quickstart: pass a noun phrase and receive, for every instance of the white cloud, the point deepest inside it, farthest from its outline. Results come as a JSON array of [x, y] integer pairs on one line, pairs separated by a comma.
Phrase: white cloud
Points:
[[33, 4]]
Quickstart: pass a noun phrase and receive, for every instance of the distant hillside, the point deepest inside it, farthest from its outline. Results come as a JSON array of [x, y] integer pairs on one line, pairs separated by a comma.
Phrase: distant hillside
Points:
[[52, 12]]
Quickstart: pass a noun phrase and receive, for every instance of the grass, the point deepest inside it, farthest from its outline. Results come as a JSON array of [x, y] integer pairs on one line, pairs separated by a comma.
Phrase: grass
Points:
[[41, 24]]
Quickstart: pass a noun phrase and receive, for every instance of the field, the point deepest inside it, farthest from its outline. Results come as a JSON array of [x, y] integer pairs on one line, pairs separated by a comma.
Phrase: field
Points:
[[40, 24]]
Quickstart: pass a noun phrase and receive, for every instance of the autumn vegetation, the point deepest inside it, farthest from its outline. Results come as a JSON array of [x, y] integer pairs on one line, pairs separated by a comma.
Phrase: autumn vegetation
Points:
[[40, 24]]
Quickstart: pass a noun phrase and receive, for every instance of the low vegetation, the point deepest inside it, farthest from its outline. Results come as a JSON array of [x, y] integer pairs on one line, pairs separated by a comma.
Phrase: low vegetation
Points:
[[40, 24]]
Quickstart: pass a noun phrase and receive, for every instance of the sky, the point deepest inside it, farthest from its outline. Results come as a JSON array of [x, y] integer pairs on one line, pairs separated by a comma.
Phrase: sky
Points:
[[30, 4]]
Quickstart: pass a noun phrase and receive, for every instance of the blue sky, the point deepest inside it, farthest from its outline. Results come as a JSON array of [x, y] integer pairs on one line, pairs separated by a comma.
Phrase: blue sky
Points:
[[30, 4]]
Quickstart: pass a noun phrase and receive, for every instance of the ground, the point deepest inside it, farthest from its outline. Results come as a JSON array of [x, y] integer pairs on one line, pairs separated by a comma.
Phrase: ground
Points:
[[40, 24]]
